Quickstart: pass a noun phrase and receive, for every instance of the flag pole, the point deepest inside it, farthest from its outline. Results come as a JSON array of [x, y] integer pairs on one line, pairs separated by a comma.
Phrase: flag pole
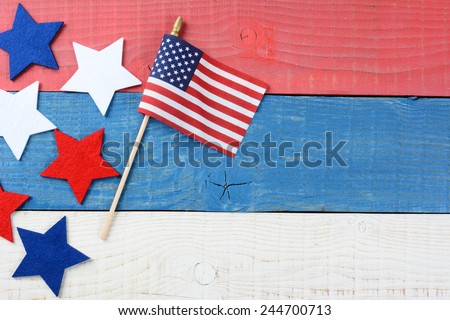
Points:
[[112, 211]]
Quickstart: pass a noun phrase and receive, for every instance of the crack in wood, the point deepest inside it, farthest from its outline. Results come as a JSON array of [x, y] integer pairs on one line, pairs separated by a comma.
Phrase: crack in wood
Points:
[[226, 186]]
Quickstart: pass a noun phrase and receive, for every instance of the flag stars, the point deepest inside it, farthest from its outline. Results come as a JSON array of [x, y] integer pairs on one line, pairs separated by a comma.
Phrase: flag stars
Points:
[[168, 40], [179, 61]]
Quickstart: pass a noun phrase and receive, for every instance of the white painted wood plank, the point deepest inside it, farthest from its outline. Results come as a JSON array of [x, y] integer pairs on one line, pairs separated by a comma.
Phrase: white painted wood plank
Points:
[[166, 255]]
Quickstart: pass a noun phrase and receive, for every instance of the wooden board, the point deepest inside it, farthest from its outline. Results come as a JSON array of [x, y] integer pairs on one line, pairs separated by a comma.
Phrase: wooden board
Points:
[[243, 256], [397, 152], [349, 47]]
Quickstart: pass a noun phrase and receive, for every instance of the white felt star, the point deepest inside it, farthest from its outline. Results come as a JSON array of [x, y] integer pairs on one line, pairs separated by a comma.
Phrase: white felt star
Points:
[[19, 118], [100, 73]]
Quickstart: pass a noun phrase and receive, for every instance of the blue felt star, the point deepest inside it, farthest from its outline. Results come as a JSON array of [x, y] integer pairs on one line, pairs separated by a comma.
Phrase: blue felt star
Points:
[[48, 255], [28, 43]]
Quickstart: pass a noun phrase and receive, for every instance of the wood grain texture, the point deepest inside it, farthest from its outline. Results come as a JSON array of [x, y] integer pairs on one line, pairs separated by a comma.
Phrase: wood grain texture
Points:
[[398, 153], [243, 256], [349, 47]]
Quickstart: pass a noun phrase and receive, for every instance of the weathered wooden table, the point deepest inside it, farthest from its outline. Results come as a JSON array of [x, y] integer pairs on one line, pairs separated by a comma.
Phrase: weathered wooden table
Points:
[[372, 75]]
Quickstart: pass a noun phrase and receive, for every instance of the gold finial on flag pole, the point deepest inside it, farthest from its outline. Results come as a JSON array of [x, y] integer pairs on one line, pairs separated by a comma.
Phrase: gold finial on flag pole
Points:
[[177, 27], [112, 211]]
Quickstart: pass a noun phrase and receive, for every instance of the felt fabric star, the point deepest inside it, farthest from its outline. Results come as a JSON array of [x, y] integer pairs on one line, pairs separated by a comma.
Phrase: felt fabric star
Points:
[[79, 162], [100, 73], [19, 118], [48, 255], [9, 202], [28, 43]]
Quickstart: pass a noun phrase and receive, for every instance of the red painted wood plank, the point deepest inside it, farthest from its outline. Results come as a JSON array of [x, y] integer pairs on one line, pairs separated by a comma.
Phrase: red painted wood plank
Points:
[[345, 47]]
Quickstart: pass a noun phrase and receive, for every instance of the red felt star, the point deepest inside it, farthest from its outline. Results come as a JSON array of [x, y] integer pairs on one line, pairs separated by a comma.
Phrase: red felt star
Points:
[[79, 162], [9, 202]]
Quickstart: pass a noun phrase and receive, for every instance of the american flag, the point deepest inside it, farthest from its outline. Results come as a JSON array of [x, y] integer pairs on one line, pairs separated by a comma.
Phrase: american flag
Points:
[[199, 96]]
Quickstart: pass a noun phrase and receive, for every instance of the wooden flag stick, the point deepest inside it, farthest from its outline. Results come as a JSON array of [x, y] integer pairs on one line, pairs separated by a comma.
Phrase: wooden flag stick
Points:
[[112, 211]]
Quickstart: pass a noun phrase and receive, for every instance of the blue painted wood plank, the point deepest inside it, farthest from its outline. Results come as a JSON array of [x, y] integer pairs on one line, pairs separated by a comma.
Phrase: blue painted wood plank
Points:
[[397, 155]]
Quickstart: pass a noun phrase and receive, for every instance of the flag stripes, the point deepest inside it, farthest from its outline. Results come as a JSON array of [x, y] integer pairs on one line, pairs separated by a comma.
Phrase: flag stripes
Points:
[[233, 74], [221, 86], [202, 122], [189, 129], [228, 82], [194, 100]]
